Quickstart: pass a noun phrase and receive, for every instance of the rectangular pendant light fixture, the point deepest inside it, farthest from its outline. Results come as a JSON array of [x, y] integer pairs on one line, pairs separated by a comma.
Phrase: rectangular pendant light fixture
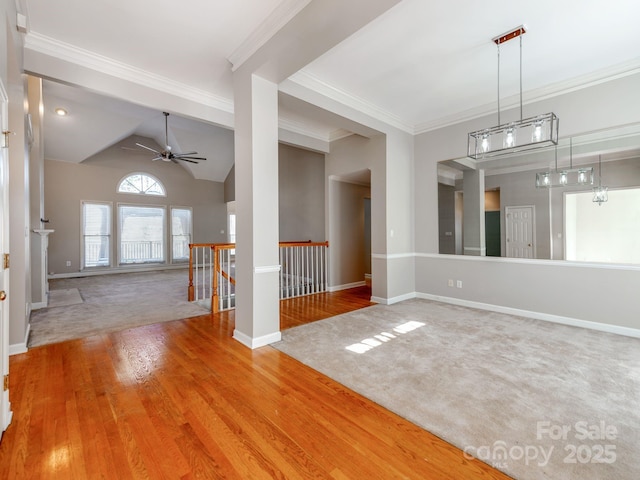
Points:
[[565, 178], [520, 135]]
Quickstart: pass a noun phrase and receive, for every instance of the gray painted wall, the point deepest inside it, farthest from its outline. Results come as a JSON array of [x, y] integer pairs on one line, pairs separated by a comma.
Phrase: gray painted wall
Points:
[[348, 245], [351, 159], [96, 179], [446, 218], [584, 292], [301, 194]]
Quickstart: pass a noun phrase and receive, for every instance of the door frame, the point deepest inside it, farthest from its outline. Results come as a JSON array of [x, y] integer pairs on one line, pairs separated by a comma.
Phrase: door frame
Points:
[[5, 405]]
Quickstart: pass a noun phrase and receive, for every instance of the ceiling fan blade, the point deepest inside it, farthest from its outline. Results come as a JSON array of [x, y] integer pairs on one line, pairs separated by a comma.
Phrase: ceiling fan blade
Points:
[[190, 158], [185, 160], [188, 154], [159, 157], [148, 148]]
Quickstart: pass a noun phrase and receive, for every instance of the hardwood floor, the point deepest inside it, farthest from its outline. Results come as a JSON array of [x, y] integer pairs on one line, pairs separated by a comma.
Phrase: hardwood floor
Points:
[[183, 400], [301, 310]]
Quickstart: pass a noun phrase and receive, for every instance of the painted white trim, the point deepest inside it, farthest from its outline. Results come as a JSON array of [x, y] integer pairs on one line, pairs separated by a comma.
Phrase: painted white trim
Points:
[[38, 305], [346, 179], [549, 91], [310, 81], [530, 261], [257, 342], [392, 256], [392, 300], [307, 130], [367, 276], [267, 29], [267, 269], [108, 271], [18, 348], [346, 286], [85, 58], [574, 322], [480, 250]]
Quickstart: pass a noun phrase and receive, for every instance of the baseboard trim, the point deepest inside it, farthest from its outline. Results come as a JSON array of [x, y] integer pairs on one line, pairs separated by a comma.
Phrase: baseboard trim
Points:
[[116, 270], [573, 322], [346, 286], [392, 300], [38, 305], [18, 348], [257, 342]]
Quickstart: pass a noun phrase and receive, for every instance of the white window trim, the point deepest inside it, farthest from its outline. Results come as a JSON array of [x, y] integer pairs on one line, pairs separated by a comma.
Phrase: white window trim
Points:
[[231, 210], [119, 233], [111, 236], [164, 190], [170, 231]]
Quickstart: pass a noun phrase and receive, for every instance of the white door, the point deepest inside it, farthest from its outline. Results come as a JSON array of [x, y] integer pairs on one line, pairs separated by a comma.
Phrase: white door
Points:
[[520, 234], [5, 405]]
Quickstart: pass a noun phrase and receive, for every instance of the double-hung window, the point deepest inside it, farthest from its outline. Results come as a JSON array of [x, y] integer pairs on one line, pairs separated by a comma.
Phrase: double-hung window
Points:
[[181, 231], [96, 234], [143, 236], [142, 231]]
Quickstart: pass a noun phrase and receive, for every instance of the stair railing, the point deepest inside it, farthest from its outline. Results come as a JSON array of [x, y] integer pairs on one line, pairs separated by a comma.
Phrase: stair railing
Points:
[[304, 271]]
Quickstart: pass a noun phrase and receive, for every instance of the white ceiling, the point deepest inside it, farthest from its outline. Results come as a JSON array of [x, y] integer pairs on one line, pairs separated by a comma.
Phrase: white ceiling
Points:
[[419, 65]]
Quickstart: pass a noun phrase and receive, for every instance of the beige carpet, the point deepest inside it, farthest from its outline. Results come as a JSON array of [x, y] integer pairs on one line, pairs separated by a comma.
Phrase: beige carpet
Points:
[[111, 302], [537, 400], [63, 298]]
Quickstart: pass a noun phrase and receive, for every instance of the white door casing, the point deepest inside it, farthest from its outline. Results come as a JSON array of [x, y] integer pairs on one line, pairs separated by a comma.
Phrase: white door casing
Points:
[[5, 405], [520, 231]]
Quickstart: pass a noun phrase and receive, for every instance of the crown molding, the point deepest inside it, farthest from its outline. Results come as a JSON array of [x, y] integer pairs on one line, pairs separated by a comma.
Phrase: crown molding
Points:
[[79, 56], [302, 129], [305, 129], [537, 95], [339, 134], [310, 81], [283, 13]]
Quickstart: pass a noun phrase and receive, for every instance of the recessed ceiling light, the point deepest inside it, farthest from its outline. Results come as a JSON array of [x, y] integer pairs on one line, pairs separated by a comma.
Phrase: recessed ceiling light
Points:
[[61, 112]]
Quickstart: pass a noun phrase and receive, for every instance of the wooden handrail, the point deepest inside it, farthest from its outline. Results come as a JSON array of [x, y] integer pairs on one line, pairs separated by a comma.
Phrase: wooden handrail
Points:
[[308, 243]]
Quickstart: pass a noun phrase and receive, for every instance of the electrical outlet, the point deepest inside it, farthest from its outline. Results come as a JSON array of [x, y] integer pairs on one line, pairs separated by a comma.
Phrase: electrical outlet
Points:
[[68, 263], [450, 283], [459, 284]]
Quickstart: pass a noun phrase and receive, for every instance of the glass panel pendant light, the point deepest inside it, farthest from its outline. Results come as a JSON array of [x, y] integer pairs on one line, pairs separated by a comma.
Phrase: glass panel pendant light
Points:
[[600, 194], [567, 177], [524, 134]]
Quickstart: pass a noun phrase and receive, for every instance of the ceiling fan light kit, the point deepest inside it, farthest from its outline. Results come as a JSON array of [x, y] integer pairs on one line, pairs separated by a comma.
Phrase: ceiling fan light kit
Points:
[[167, 155]]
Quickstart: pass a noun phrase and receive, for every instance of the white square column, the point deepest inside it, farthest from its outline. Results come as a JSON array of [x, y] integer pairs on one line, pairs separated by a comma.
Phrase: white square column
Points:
[[257, 253]]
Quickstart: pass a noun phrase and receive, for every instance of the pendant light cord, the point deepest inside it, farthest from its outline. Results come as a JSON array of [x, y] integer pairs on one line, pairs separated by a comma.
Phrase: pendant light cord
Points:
[[498, 46], [520, 77], [499, 85]]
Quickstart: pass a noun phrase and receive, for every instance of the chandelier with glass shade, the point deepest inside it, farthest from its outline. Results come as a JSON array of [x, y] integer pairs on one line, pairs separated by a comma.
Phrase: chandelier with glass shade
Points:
[[517, 136]]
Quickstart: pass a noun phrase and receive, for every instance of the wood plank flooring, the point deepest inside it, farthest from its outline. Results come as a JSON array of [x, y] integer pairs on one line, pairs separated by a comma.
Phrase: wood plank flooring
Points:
[[183, 400]]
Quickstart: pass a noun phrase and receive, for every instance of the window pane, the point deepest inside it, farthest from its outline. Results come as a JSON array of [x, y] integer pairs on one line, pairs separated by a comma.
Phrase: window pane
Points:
[[180, 233], [141, 184], [141, 234], [96, 228], [232, 228]]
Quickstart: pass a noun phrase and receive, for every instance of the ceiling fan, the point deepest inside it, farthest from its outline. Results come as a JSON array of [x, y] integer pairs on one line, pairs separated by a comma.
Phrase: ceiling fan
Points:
[[167, 155]]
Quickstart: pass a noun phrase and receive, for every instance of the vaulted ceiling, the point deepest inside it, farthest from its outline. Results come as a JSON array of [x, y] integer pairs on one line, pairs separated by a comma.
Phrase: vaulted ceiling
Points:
[[416, 66]]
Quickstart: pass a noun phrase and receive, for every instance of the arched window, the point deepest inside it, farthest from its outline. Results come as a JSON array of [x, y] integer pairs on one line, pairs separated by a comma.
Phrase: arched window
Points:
[[141, 184]]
